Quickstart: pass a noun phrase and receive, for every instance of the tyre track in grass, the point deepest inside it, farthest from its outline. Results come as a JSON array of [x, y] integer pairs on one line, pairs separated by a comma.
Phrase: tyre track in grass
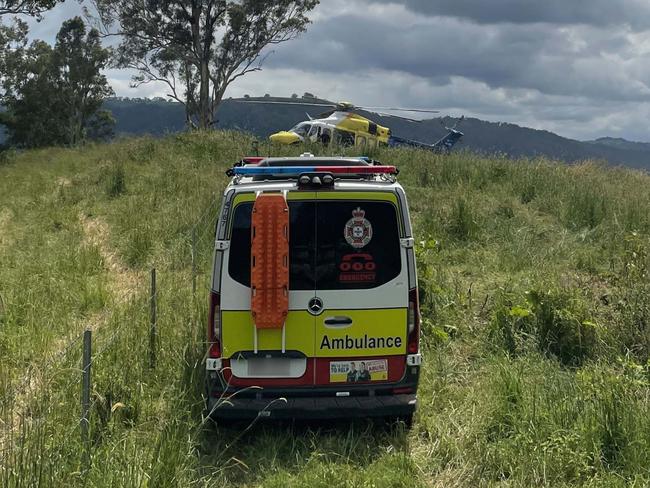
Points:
[[123, 284], [6, 215]]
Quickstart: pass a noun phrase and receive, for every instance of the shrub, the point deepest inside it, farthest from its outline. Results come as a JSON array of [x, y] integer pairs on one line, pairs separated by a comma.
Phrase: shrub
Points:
[[463, 224], [138, 247], [630, 333], [116, 182], [555, 322], [587, 207]]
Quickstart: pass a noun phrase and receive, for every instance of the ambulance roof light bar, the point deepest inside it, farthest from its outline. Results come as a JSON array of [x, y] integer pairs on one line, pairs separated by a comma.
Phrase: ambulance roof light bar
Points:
[[253, 159], [298, 170]]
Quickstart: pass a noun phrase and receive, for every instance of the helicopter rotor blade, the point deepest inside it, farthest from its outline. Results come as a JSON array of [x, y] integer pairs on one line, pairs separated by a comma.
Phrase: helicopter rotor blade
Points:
[[285, 103], [401, 109], [384, 114]]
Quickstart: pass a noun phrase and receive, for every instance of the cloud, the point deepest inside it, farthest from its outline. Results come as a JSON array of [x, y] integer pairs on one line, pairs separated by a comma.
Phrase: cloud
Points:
[[601, 13], [579, 67], [575, 117], [578, 62]]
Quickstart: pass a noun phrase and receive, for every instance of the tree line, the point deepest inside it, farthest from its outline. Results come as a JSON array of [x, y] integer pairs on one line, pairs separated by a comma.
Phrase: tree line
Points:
[[53, 95]]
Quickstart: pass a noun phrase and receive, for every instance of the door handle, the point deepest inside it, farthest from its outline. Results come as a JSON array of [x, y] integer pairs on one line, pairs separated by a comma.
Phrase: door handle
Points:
[[338, 322]]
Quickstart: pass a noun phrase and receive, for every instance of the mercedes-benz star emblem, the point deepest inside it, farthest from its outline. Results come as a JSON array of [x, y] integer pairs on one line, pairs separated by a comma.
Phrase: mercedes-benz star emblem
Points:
[[315, 306]]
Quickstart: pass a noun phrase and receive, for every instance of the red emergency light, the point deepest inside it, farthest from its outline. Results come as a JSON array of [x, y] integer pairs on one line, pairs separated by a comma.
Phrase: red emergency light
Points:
[[299, 170]]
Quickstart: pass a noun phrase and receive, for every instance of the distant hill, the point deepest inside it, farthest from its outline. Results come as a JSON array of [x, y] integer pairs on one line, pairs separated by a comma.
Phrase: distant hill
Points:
[[159, 116], [620, 143]]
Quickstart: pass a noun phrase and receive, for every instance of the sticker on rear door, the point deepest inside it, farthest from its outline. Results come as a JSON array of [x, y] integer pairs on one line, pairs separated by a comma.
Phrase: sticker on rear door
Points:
[[357, 268], [358, 371], [358, 230]]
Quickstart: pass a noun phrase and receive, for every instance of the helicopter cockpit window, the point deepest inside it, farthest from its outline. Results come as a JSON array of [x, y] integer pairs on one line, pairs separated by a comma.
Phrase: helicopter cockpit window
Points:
[[302, 129], [314, 132]]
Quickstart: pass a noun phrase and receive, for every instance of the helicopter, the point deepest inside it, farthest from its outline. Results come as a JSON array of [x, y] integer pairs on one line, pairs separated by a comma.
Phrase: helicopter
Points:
[[342, 125]]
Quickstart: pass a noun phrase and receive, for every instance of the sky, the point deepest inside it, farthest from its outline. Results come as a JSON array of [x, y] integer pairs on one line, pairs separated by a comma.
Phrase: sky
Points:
[[579, 68]]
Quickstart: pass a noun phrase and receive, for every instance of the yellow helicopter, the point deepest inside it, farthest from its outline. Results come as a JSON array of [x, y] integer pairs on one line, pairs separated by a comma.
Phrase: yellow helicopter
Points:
[[342, 125]]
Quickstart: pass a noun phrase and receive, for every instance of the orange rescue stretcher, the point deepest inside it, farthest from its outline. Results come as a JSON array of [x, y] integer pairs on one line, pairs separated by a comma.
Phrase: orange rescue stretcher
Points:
[[270, 263]]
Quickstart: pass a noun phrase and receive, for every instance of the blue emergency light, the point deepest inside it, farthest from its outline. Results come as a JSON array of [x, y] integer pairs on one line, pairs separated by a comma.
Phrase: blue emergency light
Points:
[[298, 170]]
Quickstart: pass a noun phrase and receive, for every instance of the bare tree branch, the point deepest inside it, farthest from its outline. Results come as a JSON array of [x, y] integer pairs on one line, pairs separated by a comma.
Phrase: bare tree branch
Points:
[[198, 47]]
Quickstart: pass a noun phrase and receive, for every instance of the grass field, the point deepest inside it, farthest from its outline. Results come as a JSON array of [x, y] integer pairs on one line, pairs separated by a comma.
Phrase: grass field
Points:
[[535, 283]]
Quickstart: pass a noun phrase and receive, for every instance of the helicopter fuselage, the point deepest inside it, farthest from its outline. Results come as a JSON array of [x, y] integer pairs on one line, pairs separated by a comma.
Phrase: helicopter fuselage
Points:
[[343, 128]]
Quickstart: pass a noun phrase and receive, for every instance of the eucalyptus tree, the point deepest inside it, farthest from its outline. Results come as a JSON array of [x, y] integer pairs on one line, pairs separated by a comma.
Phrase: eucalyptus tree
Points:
[[54, 95], [26, 7], [197, 48]]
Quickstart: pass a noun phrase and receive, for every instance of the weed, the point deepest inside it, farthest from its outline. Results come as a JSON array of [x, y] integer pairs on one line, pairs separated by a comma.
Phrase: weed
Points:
[[115, 183], [554, 321], [545, 388], [463, 225]]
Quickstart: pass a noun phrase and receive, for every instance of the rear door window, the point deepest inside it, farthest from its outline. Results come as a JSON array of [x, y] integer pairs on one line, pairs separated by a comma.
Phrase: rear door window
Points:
[[357, 243], [302, 245]]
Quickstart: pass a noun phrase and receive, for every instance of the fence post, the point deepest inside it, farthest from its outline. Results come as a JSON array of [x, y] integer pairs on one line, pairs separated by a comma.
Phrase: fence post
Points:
[[153, 332], [194, 261], [85, 397]]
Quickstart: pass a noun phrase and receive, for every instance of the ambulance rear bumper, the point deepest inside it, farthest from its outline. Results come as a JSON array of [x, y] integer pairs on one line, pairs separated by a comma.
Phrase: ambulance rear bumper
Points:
[[313, 408]]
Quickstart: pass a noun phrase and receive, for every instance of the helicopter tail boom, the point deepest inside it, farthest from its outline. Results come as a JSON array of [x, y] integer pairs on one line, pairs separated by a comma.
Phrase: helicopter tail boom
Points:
[[443, 145]]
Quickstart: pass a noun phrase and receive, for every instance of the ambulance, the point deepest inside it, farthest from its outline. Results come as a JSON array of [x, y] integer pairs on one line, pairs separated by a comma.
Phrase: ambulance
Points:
[[313, 308]]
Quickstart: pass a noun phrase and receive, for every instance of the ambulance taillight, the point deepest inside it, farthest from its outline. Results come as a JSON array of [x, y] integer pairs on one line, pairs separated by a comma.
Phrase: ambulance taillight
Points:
[[214, 325], [413, 343]]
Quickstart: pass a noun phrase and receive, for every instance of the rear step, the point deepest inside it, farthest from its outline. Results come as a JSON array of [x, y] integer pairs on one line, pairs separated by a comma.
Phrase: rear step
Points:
[[313, 408]]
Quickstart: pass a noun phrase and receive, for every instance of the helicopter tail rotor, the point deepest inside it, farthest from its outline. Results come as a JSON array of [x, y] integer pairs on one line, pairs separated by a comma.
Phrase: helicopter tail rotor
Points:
[[455, 126]]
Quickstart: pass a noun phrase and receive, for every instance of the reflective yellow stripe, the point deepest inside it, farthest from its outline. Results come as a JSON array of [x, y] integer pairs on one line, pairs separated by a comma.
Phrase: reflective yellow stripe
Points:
[[374, 332], [237, 333], [357, 195], [243, 197], [292, 195], [326, 195]]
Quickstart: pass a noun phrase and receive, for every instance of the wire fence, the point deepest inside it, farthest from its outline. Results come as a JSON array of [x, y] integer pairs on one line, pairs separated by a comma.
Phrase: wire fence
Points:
[[51, 392]]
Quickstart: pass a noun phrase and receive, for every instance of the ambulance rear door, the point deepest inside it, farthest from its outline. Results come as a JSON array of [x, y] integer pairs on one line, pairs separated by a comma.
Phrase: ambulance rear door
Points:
[[283, 358], [361, 289]]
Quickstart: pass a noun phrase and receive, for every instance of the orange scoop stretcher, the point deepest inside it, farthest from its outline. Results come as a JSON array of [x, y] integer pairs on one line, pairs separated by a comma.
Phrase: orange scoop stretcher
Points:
[[270, 263]]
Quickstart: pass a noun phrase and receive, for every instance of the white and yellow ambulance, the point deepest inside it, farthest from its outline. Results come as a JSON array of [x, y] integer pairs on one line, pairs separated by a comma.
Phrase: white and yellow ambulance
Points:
[[314, 303]]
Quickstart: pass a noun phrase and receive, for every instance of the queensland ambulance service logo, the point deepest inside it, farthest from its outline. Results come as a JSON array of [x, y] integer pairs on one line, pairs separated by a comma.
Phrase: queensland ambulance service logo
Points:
[[358, 230]]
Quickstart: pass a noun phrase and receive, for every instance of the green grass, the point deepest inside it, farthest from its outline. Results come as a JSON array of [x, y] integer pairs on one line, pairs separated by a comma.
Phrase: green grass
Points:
[[535, 289]]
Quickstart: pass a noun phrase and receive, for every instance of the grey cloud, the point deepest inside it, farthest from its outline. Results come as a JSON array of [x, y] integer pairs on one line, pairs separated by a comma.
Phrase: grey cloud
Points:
[[569, 62], [635, 13], [577, 67]]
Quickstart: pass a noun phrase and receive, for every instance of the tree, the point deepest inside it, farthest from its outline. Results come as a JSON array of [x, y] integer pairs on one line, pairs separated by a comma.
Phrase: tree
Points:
[[79, 58], [199, 47], [31, 115], [54, 95], [27, 7]]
